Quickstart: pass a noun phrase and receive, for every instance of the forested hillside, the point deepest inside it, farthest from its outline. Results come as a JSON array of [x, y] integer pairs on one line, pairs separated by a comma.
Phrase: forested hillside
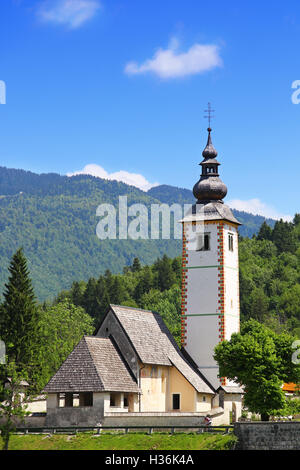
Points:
[[270, 275], [54, 219], [269, 283], [269, 292]]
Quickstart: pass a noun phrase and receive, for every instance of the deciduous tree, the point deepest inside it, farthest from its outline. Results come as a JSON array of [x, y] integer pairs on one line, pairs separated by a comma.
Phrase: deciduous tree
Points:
[[14, 396], [261, 361]]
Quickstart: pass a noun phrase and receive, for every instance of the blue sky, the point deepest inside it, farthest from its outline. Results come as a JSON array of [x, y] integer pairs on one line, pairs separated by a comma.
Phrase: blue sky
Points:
[[121, 86]]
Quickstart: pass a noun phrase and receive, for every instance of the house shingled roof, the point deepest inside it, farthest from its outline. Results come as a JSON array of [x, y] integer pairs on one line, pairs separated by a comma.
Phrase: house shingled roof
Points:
[[93, 366], [231, 389]]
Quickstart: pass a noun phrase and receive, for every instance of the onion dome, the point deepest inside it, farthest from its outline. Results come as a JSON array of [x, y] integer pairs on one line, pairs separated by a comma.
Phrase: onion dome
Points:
[[209, 187], [209, 151]]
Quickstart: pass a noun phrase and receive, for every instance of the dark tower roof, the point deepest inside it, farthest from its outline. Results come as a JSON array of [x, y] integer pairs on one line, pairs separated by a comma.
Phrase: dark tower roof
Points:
[[209, 187], [209, 151], [210, 190]]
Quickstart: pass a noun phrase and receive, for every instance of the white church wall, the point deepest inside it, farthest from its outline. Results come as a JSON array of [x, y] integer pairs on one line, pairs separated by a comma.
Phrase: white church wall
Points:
[[202, 335], [231, 277], [231, 285], [201, 258], [233, 403], [203, 402], [154, 387], [202, 290]]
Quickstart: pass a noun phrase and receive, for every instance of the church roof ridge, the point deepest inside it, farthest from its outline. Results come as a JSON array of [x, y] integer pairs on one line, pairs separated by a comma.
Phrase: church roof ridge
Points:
[[154, 343], [134, 308]]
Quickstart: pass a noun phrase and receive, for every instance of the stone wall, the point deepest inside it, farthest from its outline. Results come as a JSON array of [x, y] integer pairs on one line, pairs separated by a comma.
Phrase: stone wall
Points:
[[231, 402], [268, 436], [75, 416], [88, 416], [162, 419], [30, 421]]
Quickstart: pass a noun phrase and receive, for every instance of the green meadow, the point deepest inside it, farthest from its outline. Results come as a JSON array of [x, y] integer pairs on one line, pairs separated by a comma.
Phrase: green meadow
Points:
[[131, 441]]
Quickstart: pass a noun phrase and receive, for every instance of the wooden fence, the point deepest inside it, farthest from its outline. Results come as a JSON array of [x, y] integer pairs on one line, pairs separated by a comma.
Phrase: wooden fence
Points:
[[125, 429]]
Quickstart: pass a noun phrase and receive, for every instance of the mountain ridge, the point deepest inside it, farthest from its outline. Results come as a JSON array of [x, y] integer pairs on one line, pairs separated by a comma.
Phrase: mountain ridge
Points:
[[53, 217]]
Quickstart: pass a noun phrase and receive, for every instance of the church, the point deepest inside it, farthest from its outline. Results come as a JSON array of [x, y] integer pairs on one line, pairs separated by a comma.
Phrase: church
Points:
[[132, 372]]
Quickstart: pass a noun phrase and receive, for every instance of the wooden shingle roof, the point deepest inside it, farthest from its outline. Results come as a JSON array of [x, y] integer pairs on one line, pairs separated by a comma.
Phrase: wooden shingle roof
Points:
[[154, 343], [93, 366], [213, 210]]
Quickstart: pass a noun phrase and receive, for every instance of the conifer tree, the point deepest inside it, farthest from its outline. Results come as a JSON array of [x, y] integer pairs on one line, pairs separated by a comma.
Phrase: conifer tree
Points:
[[117, 293], [20, 318], [165, 274], [265, 232], [144, 283], [176, 266], [284, 237], [136, 265], [89, 296], [102, 299], [108, 279], [296, 220], [76, 293]]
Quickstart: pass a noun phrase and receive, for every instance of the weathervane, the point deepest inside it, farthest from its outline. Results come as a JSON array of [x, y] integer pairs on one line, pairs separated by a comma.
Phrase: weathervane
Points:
[[210, 114]]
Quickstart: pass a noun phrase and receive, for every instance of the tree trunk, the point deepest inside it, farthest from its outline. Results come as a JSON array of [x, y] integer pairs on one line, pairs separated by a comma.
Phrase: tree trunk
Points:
[[5, 447], [5, 438]]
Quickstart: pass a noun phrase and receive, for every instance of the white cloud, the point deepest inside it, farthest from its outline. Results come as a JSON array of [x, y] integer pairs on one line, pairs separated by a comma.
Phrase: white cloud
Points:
[[133, 179], [169, 63], [257, 207], [72, 13]]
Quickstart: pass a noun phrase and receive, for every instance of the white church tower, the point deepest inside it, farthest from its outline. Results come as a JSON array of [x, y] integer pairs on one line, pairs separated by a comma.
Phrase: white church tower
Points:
[[210, 270]]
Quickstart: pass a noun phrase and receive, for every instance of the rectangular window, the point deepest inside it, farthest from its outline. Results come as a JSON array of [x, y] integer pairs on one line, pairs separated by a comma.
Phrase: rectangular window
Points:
[[75, 399], [125, 402], [112, 399], [176, 401], [69, 400], [230, 242], [203, 242], [61, 400], [86, 399], [115, 400]]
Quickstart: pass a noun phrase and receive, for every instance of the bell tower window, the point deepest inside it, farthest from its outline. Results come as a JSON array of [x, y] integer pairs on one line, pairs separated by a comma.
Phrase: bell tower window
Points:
[[230, 242], [203, 242]]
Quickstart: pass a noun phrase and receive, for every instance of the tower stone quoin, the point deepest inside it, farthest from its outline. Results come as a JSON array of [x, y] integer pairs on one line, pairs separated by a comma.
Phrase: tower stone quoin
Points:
[[210, 270]]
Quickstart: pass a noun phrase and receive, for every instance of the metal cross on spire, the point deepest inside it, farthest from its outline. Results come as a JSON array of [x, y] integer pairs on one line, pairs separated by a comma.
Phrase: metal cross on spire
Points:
[[209, 114]]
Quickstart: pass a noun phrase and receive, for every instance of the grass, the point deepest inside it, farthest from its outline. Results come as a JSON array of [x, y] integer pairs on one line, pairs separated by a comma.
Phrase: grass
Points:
[[131, 441]]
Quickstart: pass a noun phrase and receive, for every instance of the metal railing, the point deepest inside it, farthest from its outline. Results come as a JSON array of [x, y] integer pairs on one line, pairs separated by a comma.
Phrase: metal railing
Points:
[[125, 429]]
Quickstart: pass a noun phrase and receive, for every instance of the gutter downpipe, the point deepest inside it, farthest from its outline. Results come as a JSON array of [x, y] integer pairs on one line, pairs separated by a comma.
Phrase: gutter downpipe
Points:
[[140, 394]]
